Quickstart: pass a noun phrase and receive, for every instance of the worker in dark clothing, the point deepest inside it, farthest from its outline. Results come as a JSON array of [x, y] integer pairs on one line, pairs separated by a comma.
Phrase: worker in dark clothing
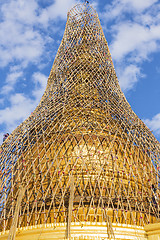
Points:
[[154, 195], [5, 136]]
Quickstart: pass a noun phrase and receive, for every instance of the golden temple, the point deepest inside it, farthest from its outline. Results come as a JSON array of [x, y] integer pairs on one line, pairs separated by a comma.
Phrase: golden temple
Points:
[[83, 165]]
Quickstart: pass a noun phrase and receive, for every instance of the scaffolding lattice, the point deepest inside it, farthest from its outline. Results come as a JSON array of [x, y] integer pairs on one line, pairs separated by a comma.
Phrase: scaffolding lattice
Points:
[[85, 130]]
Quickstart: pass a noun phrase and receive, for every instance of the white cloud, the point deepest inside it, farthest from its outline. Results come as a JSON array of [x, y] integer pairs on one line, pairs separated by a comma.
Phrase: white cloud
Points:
[[20, 10], [133, 44], [20, 108], [21, 35], [127, 39], [11, 80], [154, 123], [40, 81], [19, 41], [58, 9], [134, 38], [21, 105], [128, 76], [138, 4], [119, 7]]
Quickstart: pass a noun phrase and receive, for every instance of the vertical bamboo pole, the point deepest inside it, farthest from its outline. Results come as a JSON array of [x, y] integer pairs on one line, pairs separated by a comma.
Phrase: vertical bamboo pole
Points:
[[70, 207], [12, 232]]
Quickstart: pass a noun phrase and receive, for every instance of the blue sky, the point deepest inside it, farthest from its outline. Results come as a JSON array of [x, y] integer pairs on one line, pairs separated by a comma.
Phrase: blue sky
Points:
[[31, 32]]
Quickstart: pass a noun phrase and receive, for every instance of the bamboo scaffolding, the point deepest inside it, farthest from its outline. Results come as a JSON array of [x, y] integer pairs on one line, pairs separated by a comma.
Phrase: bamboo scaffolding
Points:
[[84, 129], [70, 208], [12, 232], [110, 231]]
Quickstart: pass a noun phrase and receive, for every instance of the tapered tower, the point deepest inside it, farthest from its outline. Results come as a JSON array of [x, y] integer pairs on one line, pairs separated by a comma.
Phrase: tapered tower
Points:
[[83, 165]]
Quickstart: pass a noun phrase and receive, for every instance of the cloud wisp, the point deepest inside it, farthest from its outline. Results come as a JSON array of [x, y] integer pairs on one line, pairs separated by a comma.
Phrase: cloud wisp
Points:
[[154, 123], [19, 41], [135, 36], [21, 105]]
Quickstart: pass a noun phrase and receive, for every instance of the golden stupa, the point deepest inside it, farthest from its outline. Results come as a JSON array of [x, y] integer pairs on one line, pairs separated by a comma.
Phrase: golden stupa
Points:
[[83, 165]]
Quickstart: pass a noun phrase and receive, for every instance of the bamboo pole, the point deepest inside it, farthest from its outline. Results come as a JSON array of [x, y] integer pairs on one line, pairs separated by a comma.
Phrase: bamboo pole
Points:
[[70, 208], [12, 232]]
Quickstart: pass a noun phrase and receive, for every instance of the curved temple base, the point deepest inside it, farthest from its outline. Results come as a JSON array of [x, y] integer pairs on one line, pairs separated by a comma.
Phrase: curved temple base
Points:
[[85, 230]]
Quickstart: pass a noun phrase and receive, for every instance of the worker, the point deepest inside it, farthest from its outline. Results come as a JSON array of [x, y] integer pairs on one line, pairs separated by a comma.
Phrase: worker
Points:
[[154, 195], [5, 136]]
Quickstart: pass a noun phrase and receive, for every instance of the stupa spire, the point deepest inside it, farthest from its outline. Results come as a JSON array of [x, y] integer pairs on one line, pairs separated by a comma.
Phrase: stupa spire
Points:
[[83, 156]]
